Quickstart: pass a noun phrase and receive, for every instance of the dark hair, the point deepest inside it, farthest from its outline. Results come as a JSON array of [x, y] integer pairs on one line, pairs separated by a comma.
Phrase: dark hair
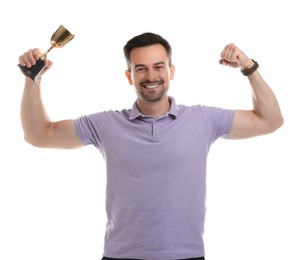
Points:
[[146, 39]]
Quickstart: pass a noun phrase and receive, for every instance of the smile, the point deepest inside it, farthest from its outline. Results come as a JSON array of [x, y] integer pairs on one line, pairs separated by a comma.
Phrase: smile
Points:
[[151, 86]]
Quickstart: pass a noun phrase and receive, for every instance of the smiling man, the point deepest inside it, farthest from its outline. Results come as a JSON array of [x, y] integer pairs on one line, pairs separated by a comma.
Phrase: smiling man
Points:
[[156, 152]]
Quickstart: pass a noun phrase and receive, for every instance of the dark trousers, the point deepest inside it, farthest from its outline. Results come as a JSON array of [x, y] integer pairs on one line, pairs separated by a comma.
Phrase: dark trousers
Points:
[[108, 258]]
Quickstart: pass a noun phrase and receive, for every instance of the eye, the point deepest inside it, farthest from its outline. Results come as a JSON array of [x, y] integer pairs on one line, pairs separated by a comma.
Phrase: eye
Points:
[[159, 67], [140, 69]]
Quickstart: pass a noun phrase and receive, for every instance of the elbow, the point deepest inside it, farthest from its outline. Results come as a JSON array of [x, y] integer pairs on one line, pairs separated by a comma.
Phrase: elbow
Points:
[[33, 141], [280, 122], [28, 140], [277, 124]]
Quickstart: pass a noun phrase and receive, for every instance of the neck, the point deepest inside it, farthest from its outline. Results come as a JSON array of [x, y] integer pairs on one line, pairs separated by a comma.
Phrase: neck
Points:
[[154, 109]]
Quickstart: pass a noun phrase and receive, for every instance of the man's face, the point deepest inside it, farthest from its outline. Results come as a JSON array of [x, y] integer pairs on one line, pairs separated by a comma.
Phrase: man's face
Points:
[[150, 72]]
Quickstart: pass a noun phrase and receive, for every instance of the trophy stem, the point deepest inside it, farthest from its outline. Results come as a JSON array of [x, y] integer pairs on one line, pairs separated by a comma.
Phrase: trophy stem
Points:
[[44, 56]]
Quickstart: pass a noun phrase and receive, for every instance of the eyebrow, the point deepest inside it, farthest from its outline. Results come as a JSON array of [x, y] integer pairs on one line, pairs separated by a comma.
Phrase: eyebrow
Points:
[[155, 64]]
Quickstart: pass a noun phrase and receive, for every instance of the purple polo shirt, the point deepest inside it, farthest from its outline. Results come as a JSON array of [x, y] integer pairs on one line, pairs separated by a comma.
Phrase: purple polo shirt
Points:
[[156, 176]]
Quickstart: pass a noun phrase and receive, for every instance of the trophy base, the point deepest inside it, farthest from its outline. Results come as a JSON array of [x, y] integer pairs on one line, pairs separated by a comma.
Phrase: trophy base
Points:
[[34, 70]]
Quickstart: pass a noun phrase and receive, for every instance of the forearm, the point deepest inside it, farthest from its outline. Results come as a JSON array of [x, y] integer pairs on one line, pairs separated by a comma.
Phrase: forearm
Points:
[[266, 115], [265, 104], [34, 117]]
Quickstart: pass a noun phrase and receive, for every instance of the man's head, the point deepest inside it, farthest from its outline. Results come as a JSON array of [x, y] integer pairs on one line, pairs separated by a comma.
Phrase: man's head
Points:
[[149, 66], [143, 40]]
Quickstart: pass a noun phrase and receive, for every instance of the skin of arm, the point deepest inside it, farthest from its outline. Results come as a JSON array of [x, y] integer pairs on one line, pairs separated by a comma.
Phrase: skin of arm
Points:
[[266, 115], [38, 129]]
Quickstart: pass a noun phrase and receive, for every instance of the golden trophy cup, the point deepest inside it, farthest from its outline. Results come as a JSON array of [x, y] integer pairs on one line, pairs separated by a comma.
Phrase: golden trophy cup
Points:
[[59, 39]]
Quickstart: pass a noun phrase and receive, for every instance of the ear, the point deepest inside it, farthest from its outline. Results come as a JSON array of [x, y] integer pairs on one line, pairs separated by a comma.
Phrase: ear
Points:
[[128, 76], [172, 71]]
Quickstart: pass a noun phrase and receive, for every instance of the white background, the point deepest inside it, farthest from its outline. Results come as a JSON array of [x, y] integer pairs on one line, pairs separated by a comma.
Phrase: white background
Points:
[[52, 202]]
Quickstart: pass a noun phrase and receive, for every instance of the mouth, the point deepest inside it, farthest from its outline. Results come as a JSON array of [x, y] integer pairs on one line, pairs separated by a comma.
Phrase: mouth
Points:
[[151, 85]]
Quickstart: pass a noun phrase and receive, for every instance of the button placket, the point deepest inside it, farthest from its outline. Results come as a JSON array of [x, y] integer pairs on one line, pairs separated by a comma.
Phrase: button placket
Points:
[[156, 131]]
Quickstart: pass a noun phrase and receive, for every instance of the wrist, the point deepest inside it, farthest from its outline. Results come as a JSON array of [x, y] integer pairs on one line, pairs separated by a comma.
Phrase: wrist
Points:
[[250, 68], [247, 64], [30, 82]]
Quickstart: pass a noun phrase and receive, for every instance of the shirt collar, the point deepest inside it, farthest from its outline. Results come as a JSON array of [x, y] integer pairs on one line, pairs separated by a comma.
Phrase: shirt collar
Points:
[[135, 113]]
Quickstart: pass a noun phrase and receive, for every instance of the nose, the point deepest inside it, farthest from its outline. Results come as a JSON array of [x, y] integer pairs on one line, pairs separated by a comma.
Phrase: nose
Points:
[[152, 75]]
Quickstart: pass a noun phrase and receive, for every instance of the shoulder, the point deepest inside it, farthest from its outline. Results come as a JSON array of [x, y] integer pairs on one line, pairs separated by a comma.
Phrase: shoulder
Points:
[[107, 114], [206, 113], [200, 109]]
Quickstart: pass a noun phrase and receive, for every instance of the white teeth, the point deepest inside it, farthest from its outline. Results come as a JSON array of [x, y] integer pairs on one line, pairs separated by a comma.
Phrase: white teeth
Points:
[[153, 86]]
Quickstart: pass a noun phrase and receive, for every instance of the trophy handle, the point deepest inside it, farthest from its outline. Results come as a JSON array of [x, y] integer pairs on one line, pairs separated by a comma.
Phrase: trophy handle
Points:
[[34, 70]]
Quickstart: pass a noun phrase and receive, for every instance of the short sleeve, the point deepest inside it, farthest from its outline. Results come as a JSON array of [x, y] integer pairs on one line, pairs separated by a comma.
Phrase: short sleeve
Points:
[[219, 121], [89, 128]]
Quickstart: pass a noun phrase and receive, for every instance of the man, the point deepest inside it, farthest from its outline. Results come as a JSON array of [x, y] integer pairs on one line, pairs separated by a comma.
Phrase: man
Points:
[[156, 151]]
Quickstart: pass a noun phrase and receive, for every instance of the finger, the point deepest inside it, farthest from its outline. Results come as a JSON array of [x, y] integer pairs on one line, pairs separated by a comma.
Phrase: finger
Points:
[[223, 62], [48, 63], [230, 53], [36, 53], [21, 61], [30, 57], [226, 52], [27, 59]]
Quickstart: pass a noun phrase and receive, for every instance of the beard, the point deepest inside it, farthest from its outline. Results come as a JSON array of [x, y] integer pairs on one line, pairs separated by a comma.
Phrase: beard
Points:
[[152, 95]]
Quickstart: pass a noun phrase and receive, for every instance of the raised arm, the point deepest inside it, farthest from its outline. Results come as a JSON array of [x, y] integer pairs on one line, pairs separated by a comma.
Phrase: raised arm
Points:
[[38, 129], [265, 117]]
